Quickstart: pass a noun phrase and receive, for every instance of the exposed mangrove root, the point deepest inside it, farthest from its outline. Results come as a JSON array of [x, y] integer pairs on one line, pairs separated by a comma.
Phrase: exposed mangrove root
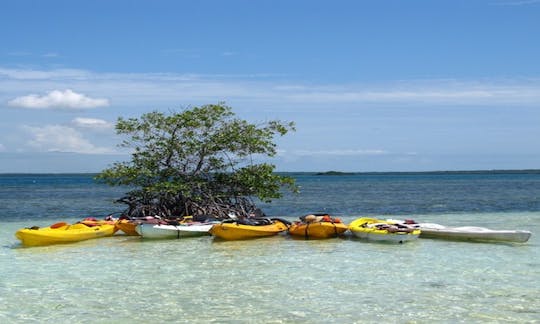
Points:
[[177, 207]]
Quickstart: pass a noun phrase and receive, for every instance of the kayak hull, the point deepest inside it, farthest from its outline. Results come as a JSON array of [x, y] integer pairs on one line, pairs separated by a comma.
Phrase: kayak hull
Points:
[[160, 231], [379, 230], [62, 234], [319, 230], [472, 233], [128, 227], [237, 231]]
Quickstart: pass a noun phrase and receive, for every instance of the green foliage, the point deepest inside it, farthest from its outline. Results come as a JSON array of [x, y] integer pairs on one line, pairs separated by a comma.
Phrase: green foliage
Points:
[[198, 154]]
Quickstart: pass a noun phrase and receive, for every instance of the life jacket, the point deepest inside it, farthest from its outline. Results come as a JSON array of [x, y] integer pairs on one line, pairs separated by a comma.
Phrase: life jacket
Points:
[[326, 218]]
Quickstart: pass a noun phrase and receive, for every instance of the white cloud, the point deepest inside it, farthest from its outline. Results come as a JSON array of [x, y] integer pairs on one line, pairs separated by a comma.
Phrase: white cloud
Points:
[[517, 3], [19, 53], [57, 138], [58, 99], [338, 152], [166, 89], [183, 52], [422, 92], [32, 74], [2, 148], [92, 123]]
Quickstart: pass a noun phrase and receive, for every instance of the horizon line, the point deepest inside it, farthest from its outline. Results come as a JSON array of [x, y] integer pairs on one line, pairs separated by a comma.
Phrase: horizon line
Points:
[[329, 172]]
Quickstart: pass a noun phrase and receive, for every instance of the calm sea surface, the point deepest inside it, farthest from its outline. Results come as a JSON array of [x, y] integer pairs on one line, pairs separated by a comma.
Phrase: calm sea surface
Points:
[[125, 279]]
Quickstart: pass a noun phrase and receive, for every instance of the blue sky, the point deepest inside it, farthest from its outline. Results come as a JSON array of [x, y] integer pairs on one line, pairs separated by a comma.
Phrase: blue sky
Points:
[[371, 85]]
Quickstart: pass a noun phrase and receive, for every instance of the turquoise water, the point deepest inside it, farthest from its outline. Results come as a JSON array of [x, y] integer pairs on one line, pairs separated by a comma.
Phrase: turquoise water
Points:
[[279, 279]]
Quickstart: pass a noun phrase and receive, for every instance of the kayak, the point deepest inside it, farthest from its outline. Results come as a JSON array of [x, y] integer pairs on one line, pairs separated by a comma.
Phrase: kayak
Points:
[[63, 233], [381, 230], [472, 233], [322, 226], [163, 231], [467, 233], [129, 226], [236, 230]]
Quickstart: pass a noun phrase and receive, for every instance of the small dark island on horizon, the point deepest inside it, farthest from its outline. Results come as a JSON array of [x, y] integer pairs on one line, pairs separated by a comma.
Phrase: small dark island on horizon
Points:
[[336, 173], [501, 171]]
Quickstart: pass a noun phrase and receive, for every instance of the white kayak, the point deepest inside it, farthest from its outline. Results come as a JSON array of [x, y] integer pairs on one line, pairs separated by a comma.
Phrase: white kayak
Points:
[[181, 230], [472, 233]]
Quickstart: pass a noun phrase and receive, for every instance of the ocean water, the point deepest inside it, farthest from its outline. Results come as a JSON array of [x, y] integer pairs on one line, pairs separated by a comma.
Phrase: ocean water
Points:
[[124, 279]]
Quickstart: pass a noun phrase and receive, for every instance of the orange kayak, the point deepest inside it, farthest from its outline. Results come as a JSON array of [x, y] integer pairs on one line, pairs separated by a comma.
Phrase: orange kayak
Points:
[[317, 229], [127, 226]]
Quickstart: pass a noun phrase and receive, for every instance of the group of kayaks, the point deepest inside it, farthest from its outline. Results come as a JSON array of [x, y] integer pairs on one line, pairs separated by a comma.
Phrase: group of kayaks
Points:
[[309, 226], [313, 226]]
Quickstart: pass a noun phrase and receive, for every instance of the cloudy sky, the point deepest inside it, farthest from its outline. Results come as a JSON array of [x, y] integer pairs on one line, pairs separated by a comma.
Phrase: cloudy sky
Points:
[[372, 85]]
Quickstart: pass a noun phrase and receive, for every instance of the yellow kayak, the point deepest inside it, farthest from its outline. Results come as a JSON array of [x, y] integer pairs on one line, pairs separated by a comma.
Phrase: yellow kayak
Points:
[[63, 233], [381, 230], [312, 226], [238, 231]]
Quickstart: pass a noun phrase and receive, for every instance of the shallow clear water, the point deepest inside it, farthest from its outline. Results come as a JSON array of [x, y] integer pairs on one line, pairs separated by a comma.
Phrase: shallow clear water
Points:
[[271, 280]]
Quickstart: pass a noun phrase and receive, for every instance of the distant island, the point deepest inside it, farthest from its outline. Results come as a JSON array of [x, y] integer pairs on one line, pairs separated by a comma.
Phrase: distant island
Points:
[[501, 171], [335, 173]]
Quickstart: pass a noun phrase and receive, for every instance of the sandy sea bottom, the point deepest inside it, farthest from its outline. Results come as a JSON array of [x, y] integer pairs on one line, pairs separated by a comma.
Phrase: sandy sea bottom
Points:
[[274, 280]]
